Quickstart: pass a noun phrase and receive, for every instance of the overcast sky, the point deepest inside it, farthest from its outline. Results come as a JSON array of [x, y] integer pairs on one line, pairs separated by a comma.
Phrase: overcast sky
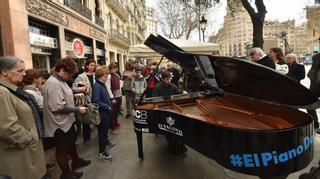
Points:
[[281, 10]]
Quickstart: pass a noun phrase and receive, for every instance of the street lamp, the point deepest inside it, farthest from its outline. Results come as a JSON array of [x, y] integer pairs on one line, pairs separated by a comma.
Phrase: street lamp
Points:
[[203, 24]]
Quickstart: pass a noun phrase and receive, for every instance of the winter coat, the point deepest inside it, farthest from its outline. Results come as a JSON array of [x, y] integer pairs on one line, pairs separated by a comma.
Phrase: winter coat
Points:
[[21, 150], [314, 75], [101, 97], [84, 80], [138, 85], [297, 71]]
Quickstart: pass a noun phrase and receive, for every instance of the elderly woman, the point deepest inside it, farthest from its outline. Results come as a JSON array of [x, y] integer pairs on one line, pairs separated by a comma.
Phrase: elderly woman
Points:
[[58, 117], [296, 70], [21, 149]]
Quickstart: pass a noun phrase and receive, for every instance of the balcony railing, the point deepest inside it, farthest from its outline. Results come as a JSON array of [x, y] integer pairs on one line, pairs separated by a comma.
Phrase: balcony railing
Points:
[[99, 21], [77, 6], [117, 37], [119, 9]]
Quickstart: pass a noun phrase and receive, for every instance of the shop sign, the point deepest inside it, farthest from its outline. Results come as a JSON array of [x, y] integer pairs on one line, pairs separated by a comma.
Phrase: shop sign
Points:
[[100, 52], [78, 48], [42, 41]]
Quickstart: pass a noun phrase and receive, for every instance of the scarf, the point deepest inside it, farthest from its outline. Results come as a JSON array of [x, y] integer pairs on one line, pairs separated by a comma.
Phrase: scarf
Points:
[[32, 103]]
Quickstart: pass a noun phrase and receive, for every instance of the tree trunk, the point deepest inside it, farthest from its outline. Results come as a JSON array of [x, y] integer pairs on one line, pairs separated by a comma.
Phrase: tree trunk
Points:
[[257, 32]]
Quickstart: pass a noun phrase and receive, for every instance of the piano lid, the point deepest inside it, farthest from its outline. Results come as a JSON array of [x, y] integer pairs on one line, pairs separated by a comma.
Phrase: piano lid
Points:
[[238, 76]]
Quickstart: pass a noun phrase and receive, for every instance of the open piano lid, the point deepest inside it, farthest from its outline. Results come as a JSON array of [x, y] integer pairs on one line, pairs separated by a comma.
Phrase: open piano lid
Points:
[[239, 76]]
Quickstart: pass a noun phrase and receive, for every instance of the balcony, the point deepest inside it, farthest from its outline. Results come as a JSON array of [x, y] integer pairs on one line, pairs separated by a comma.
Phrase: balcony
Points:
[[77, 6], [118, 9], [99, 21], [118, 38]]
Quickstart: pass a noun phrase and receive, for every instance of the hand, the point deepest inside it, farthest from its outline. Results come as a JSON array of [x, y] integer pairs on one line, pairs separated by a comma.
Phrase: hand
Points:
[[83, 89], [79, 95], [113, 101], [83, 109]]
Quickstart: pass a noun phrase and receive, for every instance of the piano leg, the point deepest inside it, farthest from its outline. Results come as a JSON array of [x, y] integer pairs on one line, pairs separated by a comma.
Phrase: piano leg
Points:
[[140, 148]]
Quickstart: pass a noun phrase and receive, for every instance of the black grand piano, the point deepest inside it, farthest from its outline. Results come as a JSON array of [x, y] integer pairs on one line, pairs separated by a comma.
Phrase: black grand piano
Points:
[[245, 116]]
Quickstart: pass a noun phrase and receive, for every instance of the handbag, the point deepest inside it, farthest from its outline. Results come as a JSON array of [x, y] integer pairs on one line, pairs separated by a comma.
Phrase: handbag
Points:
[[91, 116]]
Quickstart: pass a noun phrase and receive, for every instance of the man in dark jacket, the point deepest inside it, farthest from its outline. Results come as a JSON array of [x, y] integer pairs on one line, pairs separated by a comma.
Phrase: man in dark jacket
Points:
[[315, 86], [257, 55], [165, 89]]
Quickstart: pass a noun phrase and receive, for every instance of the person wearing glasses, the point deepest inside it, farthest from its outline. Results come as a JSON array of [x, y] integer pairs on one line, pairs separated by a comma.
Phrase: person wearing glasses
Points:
[[257, 55]]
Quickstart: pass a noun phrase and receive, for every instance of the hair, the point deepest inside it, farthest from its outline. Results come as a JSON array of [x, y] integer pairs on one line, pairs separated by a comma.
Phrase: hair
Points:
[[256, 50], [88, 63], [9, 62], [100, 72], [67, 64], [113, 66], [129, 65], [137, 69], [165, 74], [31, 74], [279, 54], [292, 55]]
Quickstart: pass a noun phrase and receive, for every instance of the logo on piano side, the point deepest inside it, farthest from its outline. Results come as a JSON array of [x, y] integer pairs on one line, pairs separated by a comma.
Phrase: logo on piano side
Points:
[[140, 116], [269, 158], [169, 128], [170, 121]]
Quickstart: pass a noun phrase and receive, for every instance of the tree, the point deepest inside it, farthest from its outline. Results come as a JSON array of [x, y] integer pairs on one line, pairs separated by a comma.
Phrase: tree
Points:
[[180, 18], [257, 19]]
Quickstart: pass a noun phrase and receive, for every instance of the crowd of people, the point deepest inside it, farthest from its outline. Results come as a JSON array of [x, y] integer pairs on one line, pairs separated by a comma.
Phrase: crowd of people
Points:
[[40, 111], [289, 66]]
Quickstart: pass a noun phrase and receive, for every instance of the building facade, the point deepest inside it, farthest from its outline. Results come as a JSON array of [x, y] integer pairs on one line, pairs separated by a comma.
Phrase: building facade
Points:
[[151, 21], [235, 37], [313, 28], [43, 31]]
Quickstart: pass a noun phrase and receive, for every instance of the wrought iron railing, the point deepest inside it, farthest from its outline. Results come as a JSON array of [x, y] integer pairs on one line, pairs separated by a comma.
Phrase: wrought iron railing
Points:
[[99, 21], [119, 37], [80, 8]]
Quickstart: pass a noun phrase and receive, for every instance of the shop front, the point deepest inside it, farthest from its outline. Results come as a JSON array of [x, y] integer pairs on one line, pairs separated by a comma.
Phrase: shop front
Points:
[[44, 44]]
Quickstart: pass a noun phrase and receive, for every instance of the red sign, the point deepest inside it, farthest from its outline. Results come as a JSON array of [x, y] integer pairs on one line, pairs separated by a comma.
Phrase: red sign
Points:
[[78, 47]]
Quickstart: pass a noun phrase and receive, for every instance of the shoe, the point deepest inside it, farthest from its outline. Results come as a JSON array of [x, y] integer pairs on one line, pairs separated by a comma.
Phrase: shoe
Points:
[[105, 156], [77, 174], [127, 116], [69, 177], [110, 144], [118, 126], [79, 164], [50, 167], [318, 131], [86, 143]]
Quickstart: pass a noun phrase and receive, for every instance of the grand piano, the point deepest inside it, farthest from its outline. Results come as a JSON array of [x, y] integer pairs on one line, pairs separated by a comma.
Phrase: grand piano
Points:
[[244, 116]]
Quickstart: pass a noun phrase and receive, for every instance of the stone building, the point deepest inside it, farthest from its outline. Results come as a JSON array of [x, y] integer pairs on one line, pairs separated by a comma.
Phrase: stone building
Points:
[[151, 21], [235, 37], [43, 31]]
